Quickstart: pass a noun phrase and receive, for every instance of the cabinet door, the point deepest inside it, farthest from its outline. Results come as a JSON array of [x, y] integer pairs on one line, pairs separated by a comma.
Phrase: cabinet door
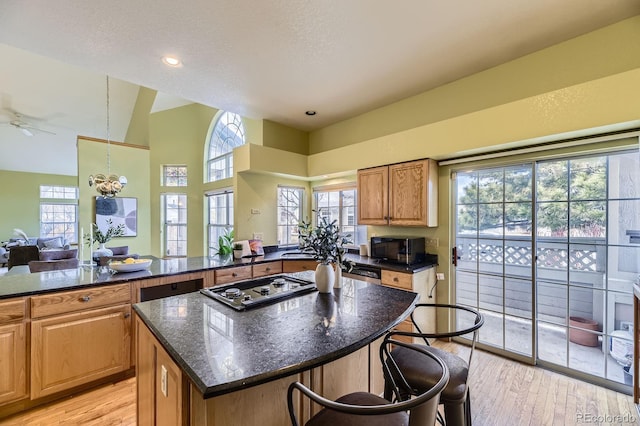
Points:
[[168, 390], [373, 196], [408, 194], [69, 350], [13, 362]]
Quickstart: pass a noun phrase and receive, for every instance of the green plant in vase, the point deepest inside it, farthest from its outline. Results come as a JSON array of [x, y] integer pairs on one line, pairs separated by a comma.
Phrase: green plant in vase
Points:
[[325, 244]]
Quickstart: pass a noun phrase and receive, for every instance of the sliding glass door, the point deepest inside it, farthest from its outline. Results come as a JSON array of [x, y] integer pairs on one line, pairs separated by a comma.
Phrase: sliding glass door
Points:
[[548, 251], [494, 250]]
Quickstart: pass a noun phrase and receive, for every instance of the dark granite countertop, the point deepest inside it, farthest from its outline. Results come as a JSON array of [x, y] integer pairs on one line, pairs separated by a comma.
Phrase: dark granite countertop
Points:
[[25, 284], [222, 350]]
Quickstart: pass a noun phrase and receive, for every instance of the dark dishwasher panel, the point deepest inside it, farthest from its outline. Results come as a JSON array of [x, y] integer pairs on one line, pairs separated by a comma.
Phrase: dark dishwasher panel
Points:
[[166, 290]]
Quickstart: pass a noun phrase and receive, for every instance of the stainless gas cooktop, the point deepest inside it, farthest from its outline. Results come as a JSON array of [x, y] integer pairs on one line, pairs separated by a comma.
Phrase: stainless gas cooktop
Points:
[[251, 293]]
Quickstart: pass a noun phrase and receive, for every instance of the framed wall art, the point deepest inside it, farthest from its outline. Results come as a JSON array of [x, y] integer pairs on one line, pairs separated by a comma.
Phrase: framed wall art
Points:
[[121, 210]]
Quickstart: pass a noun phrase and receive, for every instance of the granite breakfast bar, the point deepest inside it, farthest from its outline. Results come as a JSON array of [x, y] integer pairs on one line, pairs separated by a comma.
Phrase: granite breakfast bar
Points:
[[201, 362]]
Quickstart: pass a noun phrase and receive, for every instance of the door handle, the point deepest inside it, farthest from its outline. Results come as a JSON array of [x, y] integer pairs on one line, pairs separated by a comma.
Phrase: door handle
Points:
[[454, 256]]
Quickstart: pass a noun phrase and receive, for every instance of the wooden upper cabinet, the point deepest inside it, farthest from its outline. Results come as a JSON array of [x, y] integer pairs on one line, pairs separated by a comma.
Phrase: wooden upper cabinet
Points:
[[403, 194], [373, 196]]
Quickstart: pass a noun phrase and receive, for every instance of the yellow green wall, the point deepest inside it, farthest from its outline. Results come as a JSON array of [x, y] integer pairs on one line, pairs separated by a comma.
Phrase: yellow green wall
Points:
[[20, 200], [587, 85], [259, 192], [605, 52], [138, 130], [130, 161], [177, 138], [285, 138]]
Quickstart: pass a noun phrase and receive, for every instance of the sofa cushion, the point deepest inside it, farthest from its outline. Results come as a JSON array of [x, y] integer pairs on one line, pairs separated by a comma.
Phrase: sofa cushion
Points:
[[49, 243], [119, 251], [58, 254], [54, 243]]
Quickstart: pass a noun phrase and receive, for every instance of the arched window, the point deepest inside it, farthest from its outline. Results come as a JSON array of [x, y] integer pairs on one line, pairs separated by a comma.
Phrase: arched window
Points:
[[228, 133]]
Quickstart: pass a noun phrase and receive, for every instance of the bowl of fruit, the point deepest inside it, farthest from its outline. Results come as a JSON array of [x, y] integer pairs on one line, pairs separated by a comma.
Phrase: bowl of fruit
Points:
[[130, 265]]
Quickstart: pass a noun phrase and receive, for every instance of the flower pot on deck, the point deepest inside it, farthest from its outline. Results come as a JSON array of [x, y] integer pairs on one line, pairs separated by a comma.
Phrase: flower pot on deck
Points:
[[580, 335]]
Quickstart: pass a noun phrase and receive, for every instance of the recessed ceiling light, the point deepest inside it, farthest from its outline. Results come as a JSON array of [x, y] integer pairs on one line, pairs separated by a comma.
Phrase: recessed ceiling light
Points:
[[310, 112], [172, 61]]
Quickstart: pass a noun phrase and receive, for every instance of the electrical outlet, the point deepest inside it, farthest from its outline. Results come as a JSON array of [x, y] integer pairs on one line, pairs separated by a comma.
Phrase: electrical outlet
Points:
[[255, 211], [258, 236], [440, 276], [163, 380], [626, 325], [433, 242]]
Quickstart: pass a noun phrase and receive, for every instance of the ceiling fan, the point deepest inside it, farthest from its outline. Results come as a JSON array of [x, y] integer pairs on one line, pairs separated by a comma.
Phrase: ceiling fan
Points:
[[25, 127]]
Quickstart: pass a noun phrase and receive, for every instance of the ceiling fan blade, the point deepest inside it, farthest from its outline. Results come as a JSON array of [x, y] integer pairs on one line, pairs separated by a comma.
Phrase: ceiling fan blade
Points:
[[26, 131], [37, 129]]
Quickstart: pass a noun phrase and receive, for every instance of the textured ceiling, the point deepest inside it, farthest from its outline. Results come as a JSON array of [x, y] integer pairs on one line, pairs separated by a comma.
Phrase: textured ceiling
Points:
[[276, 59]]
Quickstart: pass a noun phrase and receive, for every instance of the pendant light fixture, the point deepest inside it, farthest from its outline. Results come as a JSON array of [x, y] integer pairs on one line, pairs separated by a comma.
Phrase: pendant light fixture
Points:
[[110, 184]]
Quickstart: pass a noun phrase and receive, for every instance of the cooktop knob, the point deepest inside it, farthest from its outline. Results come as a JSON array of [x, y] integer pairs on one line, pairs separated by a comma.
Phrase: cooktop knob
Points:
[[265, 290]]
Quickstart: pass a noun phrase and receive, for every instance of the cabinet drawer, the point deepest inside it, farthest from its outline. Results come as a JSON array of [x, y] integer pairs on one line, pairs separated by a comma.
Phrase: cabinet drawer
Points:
[[299, 265], [79, 300], [406, 326], [397, 279], [12, 310], [229, 275], [268, 268]]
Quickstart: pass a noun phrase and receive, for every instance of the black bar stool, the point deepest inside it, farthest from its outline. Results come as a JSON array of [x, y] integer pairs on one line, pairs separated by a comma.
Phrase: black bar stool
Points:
[[421, 372], [366, 409]]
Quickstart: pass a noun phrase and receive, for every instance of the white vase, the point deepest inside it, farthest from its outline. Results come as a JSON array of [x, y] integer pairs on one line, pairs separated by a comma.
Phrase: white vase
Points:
[[338, 282], [102, 251], [237, 254], [325, 277]]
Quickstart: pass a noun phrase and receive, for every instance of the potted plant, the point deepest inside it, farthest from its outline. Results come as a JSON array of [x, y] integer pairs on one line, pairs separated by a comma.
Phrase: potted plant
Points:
[[326, 245], [225, 243], [237, 250], [97, 236]]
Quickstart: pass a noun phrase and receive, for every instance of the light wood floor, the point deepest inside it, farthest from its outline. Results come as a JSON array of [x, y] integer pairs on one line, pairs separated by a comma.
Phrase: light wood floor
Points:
[[503, 392]]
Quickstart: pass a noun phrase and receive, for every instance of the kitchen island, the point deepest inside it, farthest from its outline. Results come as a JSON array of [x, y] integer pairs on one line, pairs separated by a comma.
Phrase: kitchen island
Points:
[[201, 362]]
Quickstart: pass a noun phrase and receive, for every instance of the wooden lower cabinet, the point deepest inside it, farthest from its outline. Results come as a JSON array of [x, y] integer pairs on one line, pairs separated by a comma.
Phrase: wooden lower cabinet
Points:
[[13, 350], [74, 349], [162, 391], [268, 268], [261, 405], [423, 283], [289, 266], [229, 275], [13, 362]]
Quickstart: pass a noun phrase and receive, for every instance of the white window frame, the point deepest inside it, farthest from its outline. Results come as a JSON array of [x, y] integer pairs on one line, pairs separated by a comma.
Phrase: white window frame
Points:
[[179, 179], [359, 233], [224, 224], [58, 202], [287, 220], [180, 226], [227, 133]]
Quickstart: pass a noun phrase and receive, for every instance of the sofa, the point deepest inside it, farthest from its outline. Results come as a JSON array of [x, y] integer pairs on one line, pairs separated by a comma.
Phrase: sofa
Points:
[[55, 260], [4, 256]]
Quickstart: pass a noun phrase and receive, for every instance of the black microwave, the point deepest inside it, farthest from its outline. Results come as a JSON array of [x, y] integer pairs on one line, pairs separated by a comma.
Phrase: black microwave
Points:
[[404, 250]]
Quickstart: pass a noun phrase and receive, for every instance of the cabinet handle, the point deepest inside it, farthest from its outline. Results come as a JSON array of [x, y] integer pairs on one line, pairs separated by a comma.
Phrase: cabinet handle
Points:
[[233, 274], [127, 314], [268, 269], [395, 279], [86, 298]]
